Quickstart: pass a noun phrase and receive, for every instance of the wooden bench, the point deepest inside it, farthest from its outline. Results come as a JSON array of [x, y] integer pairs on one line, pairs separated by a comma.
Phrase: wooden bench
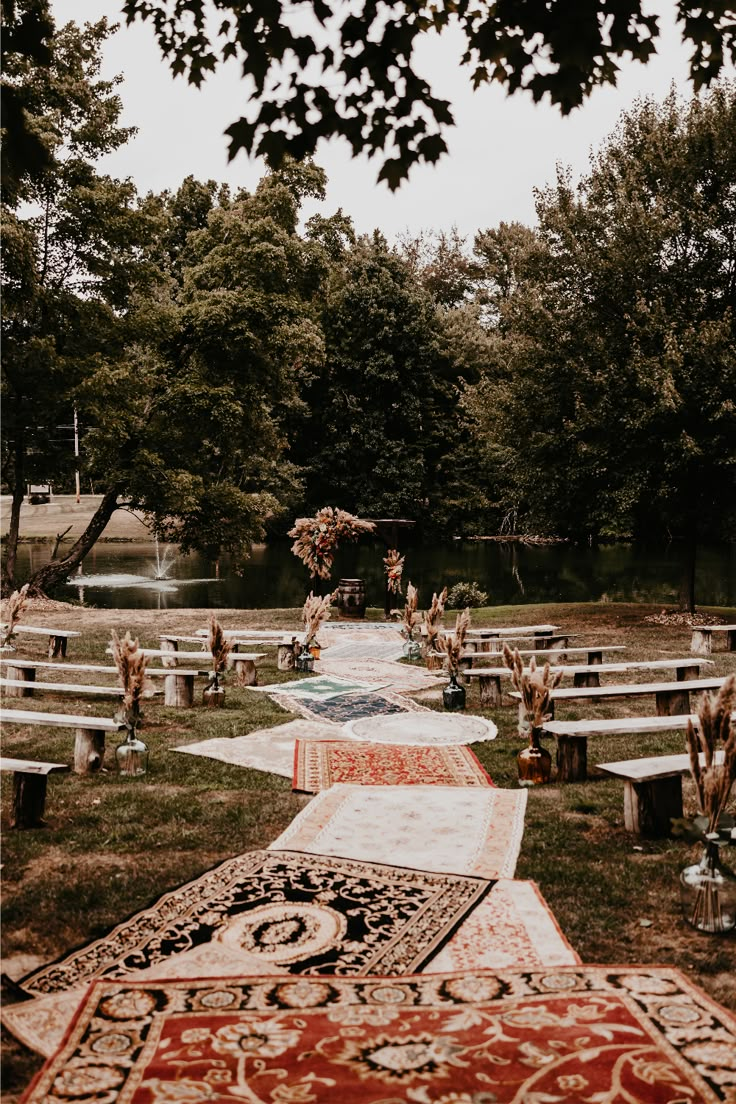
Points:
[[489, 678], [28, 688], [29, 789], [57, 637], [178, 682], [671, 698], [592, 652], [89, 744], [260, 638], [572, 737], [243, 663], [652, 790], [702, 638]]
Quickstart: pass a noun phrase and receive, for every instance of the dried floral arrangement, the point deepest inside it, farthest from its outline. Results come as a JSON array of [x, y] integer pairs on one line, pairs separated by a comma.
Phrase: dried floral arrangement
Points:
[[534, 685], [714, 779], [410, 615], [451, 646], [394, 568], [15, 605], [220, 647], [314, 614], [317, 538], [433, 618], [131, 665]]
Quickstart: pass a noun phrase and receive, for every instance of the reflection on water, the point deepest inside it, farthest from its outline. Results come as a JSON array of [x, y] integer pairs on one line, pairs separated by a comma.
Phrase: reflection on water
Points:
[[511, 573]]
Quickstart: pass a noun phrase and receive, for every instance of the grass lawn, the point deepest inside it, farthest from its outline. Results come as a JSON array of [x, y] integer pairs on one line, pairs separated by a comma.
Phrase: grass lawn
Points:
[[113, 845]]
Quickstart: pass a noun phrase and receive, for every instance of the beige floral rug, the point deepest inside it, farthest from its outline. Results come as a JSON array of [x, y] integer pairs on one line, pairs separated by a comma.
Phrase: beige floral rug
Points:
[[448, 829], [402, 678]]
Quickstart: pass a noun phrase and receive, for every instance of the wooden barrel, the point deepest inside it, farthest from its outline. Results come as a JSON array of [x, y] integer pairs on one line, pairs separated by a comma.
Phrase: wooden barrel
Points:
[[351, 598]]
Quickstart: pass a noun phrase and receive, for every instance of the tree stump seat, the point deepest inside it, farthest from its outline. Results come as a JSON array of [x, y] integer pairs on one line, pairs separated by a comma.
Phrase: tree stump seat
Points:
[[29, 789], [652, 791]]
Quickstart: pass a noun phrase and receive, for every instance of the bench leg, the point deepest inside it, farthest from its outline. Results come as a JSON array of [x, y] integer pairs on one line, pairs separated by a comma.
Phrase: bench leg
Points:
[[25, 674], [29, 800], [245, 670], [285, 657], [595, 656], [670, 703], [684, 674], [57, 647], [490, 691], [179, 691], [649, 807], [583, 679], [168, 646], [702, 642], [572, 758], [731, 640], [89, 750]]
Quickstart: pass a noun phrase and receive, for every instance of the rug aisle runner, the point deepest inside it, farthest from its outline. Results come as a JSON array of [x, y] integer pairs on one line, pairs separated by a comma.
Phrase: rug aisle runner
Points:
[[565, 1035], [319, 764], [267, 749], [447, 829]]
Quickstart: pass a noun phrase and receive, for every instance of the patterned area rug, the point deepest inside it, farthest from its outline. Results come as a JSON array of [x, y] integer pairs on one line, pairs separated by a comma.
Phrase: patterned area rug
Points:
[[42, 1022], [319, 764], [305, 913], [568, 1035], [403, 678], [424, 729], [441, 828], [364, 649], [268, 749], [320, 688], [348, 707], [513, 928]]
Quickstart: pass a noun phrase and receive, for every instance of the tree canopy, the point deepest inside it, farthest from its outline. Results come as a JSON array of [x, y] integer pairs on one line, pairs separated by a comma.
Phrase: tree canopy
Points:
[[324, 69]]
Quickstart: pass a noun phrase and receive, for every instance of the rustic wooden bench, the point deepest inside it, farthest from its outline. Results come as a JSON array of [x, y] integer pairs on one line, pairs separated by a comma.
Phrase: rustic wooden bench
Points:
[[572, 737], [178, 682], [702, 638], [89, 744], [29, 789], [57, 637], [259, 638], [592, 652], [243, 663], [652, 790], [671, 698], [29, 688], [489, 678]]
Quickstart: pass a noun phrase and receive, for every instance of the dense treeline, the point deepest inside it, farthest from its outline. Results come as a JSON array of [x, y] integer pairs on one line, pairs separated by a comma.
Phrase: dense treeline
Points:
[[232, 366]]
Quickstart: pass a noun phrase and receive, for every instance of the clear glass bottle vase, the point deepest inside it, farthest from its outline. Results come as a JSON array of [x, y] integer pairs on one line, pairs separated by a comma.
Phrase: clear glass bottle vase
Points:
[[708, 892]]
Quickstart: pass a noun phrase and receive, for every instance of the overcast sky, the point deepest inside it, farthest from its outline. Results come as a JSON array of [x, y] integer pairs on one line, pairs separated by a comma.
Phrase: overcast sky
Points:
[[500, 149]]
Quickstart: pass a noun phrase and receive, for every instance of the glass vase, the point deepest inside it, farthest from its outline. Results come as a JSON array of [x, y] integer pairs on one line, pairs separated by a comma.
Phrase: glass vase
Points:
[[534, 761], [305, 661], [412, 649], [708, 892], [132, 756], [453, 695]]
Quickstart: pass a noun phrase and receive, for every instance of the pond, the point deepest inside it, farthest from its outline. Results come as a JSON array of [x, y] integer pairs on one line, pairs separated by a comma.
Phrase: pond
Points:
[[511, 573]]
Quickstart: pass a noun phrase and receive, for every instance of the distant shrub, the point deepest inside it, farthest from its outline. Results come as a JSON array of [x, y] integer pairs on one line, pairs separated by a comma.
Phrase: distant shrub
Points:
[[466, 594]]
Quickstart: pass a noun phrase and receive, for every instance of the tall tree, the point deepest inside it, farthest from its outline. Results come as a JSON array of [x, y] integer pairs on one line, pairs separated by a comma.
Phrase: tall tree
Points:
[[616, 409], [350, 70]]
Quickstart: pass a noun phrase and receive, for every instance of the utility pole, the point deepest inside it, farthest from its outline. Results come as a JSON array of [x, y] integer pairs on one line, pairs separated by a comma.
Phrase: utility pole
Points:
[[76, 449]]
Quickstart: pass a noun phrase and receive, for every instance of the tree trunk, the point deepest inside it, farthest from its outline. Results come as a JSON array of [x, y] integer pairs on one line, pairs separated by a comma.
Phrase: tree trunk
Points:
[[11, 546], [57, 570], [687, 581]]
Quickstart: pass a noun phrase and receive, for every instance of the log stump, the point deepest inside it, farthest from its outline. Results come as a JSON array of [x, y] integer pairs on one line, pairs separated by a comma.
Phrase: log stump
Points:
[[57, 647], [572, 758], [89, 750], [586, 678], [29, 800], [213, 699], [245, 671], [285, 657], [702, 642], [490, 691], [671, 703], [179, 691], [172, 646], [24, 674], [649, 807]]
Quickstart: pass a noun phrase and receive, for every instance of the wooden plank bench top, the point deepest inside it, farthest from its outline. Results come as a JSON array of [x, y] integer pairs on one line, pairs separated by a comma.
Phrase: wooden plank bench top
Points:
[[597, 668], [249, 634], [63, 687], [29, 789], [59, 720], [166, 653], [652, 790], [32, 664], [630, 690], [714, 628], [589, 649]]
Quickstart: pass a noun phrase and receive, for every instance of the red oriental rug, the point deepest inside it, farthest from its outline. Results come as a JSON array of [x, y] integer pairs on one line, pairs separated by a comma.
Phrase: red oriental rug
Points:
[[320, 764], [613, 1035]]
